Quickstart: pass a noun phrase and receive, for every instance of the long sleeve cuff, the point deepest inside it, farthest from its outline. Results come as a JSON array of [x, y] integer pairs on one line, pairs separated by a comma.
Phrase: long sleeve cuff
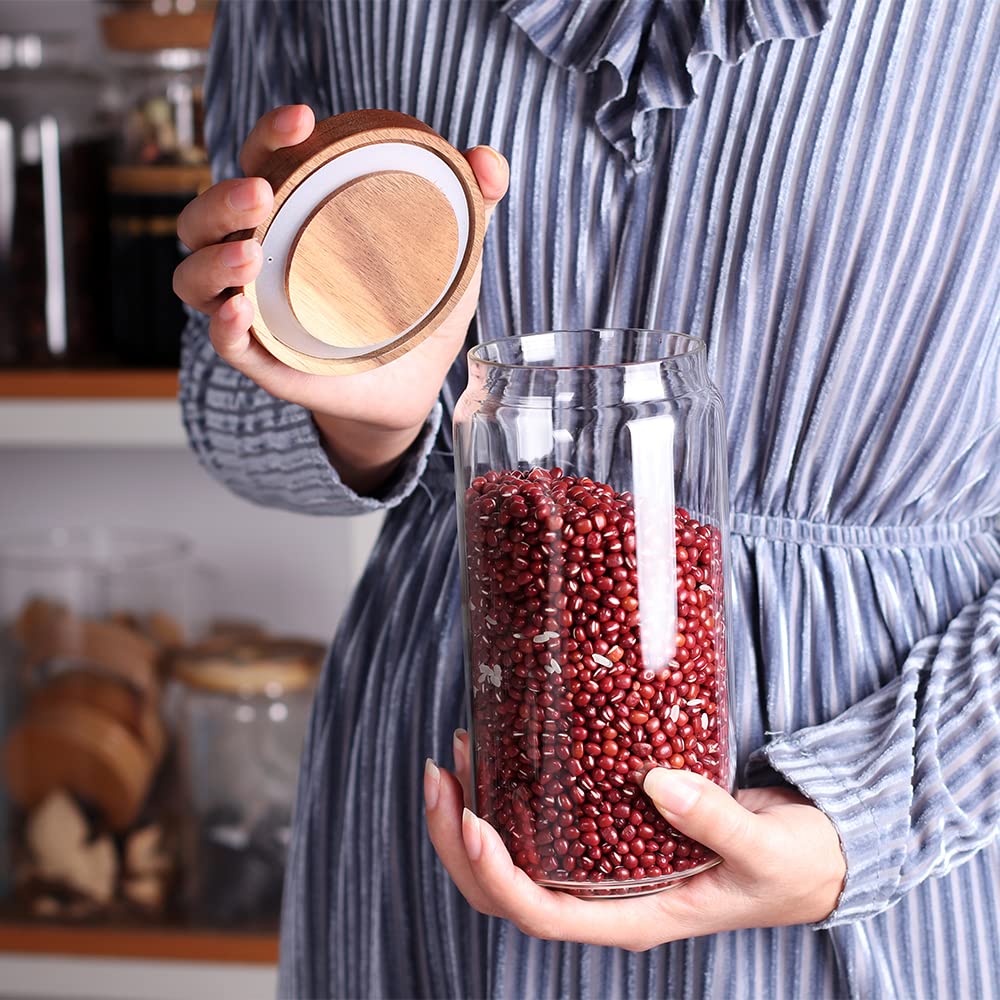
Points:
[[814, 761], [270, 451], [909, 776], [400, 484]]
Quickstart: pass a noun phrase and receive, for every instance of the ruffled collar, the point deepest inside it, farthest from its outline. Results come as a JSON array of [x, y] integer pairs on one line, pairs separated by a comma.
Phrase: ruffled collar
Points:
[[644, 56]]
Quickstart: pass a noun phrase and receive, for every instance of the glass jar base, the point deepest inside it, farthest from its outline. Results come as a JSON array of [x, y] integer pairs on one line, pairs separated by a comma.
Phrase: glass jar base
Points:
[[612, 889]]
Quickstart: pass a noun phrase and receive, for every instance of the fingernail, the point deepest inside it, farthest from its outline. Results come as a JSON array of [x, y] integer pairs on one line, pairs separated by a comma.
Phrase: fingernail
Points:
[[472, 835], [238, 254], [498, 158], [286, 120], [673, 791], [458, 744], [432, 783], [232, 307], [243, 197]]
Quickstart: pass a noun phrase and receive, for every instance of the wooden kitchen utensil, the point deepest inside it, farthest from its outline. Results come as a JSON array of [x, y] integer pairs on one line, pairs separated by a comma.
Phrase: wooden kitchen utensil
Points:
[[375, 233]]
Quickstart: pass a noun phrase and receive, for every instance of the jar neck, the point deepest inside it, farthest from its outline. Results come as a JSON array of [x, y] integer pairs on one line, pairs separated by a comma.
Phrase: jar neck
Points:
[[589, 368]]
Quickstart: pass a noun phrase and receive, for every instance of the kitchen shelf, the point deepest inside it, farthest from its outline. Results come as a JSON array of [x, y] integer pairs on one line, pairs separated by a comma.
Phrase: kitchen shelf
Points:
[[138, 943], [96, 384], [90, 409], [90, 423]]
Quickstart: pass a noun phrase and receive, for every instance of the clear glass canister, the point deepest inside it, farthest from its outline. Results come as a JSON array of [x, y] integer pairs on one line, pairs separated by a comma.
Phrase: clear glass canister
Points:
[[86, 615], [593, 510], [239, 708]]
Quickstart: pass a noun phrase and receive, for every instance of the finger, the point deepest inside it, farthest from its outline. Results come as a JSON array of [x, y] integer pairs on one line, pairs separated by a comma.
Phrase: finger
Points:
[[636, 924], [492, 174], [201, 278], [226, 207], [707, 813], [229, 332], [285, 126], [443, 804], [463, 768]]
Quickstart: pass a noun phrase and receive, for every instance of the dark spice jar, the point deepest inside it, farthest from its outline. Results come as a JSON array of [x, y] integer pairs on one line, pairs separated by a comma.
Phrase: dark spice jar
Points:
[[54, 151], [593, 510], [147, 318]]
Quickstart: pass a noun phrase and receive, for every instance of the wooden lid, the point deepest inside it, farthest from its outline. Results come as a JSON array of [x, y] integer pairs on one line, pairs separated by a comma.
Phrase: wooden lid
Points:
[[376, 230], [143, 30], [249, 667]]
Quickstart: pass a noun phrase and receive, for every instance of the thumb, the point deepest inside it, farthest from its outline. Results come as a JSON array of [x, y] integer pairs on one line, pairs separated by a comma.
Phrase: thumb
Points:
[[705, 812], [492, 174]]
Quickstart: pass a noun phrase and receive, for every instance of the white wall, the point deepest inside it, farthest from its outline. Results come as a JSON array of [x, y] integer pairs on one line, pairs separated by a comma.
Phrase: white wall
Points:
[[293, 572], [78, 17]]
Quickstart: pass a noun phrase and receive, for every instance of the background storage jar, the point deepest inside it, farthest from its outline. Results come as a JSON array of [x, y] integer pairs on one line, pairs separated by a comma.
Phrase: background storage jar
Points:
[[239, 709], [85, 617]]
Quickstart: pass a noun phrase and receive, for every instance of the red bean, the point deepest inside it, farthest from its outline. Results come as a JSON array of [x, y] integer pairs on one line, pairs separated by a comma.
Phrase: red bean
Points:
[[566, 717]]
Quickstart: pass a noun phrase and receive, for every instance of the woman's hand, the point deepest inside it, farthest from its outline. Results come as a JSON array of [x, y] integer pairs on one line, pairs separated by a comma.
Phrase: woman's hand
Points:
[[369, 419], [782, 864]]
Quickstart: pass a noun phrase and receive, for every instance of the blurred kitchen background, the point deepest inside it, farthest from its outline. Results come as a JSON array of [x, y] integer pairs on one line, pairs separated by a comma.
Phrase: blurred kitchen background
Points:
[[159, 638]]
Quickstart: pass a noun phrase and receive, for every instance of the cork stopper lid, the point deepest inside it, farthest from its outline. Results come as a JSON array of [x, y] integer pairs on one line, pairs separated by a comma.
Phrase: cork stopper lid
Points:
[[376, 230]]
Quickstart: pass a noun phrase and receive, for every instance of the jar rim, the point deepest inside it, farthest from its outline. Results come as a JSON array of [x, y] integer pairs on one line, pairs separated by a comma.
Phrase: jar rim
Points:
[[693, 347]]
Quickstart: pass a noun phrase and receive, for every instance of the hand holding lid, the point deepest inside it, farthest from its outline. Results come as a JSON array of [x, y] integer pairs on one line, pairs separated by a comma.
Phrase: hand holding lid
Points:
[[374, 235], [369, 418]]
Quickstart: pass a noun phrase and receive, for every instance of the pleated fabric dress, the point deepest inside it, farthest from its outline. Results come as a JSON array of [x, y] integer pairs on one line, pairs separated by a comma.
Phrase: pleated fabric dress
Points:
[[814, 189]]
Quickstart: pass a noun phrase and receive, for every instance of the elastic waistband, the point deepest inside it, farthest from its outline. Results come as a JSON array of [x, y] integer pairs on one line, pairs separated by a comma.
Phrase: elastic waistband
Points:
[[439, 481], [860, 536]]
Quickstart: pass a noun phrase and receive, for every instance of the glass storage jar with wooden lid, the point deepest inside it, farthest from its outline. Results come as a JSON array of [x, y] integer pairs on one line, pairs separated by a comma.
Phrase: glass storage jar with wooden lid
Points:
[[158, 61], [238, 706]]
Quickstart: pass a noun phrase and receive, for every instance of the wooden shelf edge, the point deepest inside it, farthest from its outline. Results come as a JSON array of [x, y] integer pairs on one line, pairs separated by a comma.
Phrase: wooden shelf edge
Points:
[[139, 943], [96, 384]]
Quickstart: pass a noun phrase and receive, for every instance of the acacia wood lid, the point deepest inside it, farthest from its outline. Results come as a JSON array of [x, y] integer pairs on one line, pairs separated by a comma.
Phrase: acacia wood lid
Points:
[[376, 231]]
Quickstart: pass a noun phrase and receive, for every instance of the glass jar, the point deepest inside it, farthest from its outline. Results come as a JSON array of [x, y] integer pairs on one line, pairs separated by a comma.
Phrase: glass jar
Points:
[[163, 119], [593, 513], [147, 318], [54, 153], [158, 61], [85, 617], [239, 708]]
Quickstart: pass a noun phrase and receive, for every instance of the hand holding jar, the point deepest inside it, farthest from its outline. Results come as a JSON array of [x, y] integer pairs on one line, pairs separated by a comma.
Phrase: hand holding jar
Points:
[[782, 864], [593, 516]]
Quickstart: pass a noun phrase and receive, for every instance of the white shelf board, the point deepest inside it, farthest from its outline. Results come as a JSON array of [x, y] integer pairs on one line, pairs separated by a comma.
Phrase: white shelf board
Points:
[[91, 423], [49, 976]]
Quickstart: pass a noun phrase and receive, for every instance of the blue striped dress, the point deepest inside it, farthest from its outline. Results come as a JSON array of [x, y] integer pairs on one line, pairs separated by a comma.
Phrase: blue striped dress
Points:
[[814, 189]]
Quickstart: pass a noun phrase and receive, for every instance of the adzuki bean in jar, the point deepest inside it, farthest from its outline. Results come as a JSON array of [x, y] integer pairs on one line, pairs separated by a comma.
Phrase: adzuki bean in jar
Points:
[[595, 603]]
